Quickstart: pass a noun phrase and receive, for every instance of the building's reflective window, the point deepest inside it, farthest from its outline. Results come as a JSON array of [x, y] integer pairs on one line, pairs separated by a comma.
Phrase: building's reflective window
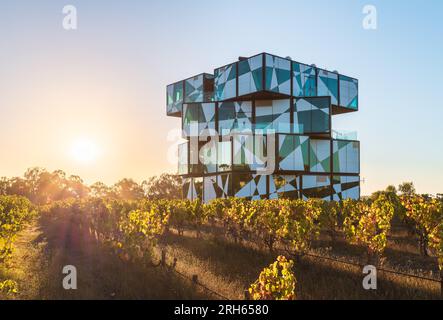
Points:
[[208, 156], [312, 115], [304, 80], [348, 92], [274, 115], [193, 188], [250, 186], [174, 98], [234, 116], [250, 75], [284, 187], [217, 186], [320, 155], [346, 156], [194, 89], [195, 166], [225, 82], [346, 187], [316, 187], [198, 119], [327, 83], [183, 158], [198, 184], [293, 152], [249, 152], [278, 74], [224, 156]]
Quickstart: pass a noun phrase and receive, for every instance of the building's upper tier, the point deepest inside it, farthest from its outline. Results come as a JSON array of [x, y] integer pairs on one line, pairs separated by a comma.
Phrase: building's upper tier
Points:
[[264, 76]]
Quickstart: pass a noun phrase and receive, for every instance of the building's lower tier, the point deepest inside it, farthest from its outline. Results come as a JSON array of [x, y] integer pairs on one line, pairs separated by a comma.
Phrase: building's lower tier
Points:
[[255, 186]]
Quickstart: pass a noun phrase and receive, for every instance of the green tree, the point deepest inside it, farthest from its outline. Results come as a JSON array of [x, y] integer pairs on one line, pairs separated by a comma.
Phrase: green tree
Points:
[[128, 189], [166, 186], [406, 188]]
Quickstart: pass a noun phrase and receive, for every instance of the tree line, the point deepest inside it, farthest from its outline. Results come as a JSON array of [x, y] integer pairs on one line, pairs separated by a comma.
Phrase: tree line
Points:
[[42, 187]]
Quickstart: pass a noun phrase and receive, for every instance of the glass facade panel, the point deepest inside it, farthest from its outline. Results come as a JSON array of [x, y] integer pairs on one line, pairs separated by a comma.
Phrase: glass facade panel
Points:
[[278, 74], [264, 115], [293, 152], [346, 187], [249, 152], [187, 188], [195, 164], [190, 120], [274, 115], [224, 154], [320, 155], [174, 98], [304, 80], [250, 186], [193, 188], [217, 186], [208, 87], [198, 119], [225, 82], [327, 83], [250, 75], [346, 156], [316, 187], [348, 92], [234, 117], [183, 158], [194, 89], [198, 185], [208, 157], [284, 186], [312, 115]]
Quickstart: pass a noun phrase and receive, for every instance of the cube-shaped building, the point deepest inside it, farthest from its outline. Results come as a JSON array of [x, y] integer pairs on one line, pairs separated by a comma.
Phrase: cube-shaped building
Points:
[[261, 128]]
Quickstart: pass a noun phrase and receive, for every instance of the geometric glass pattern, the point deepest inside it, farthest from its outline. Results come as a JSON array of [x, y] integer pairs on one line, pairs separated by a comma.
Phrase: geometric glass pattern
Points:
[[195, 165], [346, 156], [234, 116], [183, 158], [224, 152], [348, 92], [320, 155], [194, 89], [312, 115], [249, 152], [218, 186], [198, 119], [316, 187], [278, 74], [328, 85], [250, 186], [293, 152], [208, 156], [225, 82], [304, 80], [284, 186], [250, 75], [174, 98], [193, 188], [264, 130], [273, 115], [346, 187]]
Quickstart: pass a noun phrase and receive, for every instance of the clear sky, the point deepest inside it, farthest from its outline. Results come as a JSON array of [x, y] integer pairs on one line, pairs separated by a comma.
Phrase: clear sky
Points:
[[102, 86]]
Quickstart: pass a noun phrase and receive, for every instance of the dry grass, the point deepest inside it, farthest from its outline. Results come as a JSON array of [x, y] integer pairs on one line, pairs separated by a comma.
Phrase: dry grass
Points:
[[230, 268], [41, 253]]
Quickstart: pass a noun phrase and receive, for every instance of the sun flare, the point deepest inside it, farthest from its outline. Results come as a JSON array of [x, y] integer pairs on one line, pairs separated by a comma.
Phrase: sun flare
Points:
[[84, 150]]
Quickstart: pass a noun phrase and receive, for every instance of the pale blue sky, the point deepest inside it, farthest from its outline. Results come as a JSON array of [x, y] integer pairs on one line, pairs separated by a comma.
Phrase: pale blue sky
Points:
[[107, 79]]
